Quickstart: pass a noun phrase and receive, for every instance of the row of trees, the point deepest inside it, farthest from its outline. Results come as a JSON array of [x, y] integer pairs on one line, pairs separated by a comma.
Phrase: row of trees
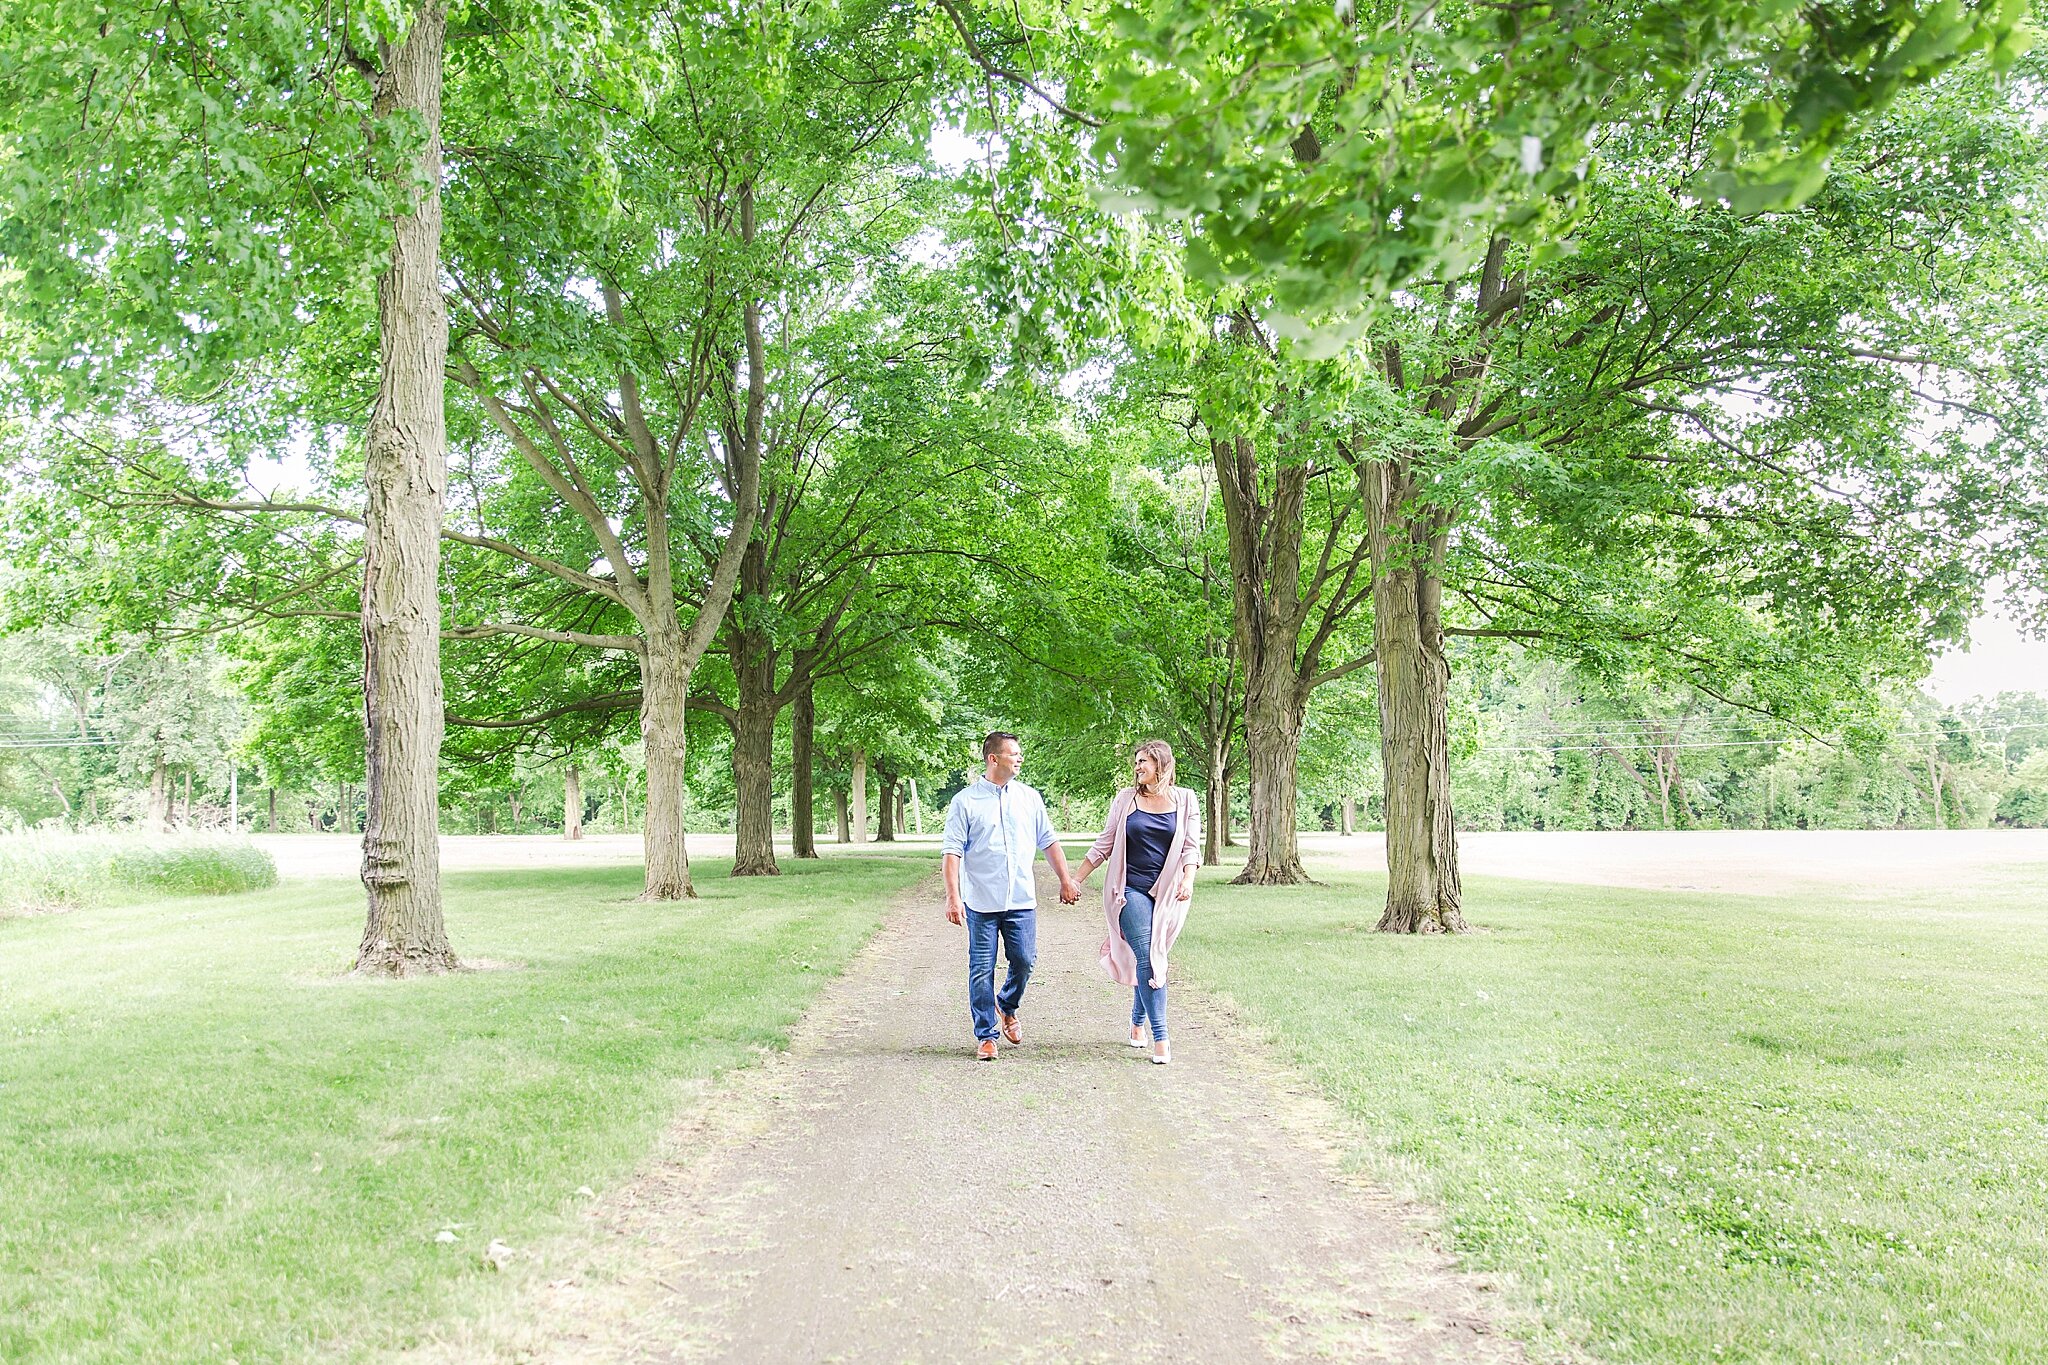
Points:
[[1545, 748], [138, 735], [648, 362]]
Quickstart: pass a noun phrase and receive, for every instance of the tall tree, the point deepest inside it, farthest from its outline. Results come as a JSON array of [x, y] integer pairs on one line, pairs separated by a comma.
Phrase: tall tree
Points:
[[405, 475], [1766, 455], [177, 193]]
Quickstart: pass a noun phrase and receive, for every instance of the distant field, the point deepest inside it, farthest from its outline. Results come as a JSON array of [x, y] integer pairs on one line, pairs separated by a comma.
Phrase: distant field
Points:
[[1745, 861], [1693, 1127]]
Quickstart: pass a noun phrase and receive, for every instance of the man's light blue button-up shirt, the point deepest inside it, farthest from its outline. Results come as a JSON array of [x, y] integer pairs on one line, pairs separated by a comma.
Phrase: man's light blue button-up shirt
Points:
[[996, 832]]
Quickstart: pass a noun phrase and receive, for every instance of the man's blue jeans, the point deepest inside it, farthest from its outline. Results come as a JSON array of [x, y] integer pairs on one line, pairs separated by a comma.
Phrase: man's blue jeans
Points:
[[1018, 930]]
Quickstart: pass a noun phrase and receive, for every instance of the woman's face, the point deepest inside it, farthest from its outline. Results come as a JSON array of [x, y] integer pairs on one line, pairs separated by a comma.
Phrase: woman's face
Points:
[[1146, 771]]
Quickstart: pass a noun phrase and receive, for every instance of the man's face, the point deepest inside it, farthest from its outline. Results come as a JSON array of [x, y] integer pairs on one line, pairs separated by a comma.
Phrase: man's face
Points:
[[1004, 762]]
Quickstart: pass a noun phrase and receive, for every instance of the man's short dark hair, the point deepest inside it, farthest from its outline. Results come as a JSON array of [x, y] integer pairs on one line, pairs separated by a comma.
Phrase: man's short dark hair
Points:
[[995, 741]]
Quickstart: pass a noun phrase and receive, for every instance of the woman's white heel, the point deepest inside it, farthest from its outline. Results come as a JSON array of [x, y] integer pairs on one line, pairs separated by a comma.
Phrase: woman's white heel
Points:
[[1161, 1053], [1137, 1036]]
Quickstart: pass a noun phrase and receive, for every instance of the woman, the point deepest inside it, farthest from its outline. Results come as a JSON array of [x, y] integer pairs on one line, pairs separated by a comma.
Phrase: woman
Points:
[[1153, 844]]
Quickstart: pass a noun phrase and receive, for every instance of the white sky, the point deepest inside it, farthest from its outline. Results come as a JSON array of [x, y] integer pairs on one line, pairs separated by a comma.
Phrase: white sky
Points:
[[1999, 659]]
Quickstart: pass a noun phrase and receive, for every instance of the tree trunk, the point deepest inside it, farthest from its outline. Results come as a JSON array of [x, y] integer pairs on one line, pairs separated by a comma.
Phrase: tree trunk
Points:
[[1273, 721], [405, 475], [185, 810], [885, 814], [1347, 816], [572, 803], [159, 815], [915, 806], [839, 809], [859, 796], [1216, 800], [1215, 815], [664, 692], [1423, 890], [753, 777], [1934, 784], [273, 810], [234, 799], [1267, 616], [518, 812], [803, 724]]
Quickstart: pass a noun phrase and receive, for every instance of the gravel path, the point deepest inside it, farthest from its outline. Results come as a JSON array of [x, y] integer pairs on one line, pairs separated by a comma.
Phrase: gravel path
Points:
[[875, 1194]]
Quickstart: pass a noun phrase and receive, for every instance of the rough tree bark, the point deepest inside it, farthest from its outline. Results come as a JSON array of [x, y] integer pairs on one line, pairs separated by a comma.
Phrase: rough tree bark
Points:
[[665, 669], [859, 796], [885, 814], [1215, 815], [405, 475], [753, 774], [159, 817], [845, 823], [572, 803], [1219, 729], [752, 724], [803, 725], [1265, 561], [1424, 894]]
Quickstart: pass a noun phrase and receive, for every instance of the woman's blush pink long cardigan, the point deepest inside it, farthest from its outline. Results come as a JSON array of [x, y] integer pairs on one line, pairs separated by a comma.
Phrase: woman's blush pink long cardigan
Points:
[[1168, 913]]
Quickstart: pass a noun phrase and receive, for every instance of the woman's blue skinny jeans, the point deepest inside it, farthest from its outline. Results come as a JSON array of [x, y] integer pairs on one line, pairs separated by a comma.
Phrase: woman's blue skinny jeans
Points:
[[1147, 1001]]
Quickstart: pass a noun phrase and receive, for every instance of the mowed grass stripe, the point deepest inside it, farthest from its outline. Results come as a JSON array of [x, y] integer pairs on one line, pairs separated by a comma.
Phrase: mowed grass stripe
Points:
[[214, 1145], [1688, 1127]]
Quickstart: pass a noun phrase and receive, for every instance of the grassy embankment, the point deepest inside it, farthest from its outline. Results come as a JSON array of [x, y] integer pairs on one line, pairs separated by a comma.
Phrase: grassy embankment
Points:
[[1692, 1128], [214, 1146], [43, 872]]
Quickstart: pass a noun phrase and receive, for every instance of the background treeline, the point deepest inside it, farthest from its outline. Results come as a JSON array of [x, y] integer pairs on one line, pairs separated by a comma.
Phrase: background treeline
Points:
[[94, 735]]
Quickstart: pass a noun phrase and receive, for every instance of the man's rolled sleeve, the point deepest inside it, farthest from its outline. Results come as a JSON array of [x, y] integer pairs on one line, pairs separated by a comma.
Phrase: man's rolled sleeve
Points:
[[1046, 838], [955, 840]]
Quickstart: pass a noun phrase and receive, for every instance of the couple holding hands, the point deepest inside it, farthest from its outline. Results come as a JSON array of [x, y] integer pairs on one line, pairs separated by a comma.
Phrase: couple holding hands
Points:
[[1152, 845]]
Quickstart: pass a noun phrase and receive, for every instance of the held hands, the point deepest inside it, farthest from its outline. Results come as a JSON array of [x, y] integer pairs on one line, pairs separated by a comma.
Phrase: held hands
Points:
[[1070, 886]]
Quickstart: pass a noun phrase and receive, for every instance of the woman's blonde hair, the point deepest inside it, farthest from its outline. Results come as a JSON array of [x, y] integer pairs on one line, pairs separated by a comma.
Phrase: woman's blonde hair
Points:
[[1161, 755]]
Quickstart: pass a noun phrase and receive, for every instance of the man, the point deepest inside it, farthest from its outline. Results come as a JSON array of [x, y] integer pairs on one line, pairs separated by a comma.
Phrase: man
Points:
[[994, 829]]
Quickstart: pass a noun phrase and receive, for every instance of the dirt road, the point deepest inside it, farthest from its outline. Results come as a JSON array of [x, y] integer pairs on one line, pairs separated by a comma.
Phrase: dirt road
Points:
[[875, 1195]]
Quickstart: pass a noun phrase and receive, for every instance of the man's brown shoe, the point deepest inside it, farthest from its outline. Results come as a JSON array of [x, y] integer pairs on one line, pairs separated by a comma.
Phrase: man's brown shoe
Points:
[[1010, 1029], [987, 1051]]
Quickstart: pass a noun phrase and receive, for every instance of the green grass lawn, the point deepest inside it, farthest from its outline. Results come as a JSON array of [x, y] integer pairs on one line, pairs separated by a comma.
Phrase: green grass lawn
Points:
[[1687, 1127], [214, 1146]]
